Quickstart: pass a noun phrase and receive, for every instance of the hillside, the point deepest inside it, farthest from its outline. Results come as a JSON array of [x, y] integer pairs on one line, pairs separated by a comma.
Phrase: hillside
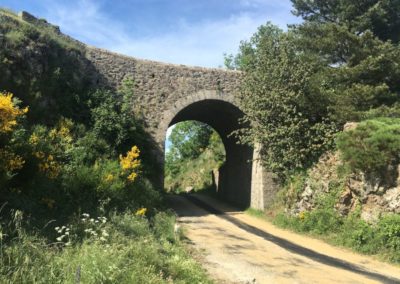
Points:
[[74, 168]]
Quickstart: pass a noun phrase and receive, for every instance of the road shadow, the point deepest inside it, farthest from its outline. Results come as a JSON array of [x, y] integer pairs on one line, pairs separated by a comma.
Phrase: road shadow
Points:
[[178, 202], [289, 246]]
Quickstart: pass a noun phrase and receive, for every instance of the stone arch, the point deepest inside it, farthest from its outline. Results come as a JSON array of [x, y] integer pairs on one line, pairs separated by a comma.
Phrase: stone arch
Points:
[[221, 112], [182, 103]]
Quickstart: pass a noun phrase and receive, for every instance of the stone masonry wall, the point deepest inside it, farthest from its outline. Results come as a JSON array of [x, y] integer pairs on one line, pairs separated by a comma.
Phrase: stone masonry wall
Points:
[[158, 86]]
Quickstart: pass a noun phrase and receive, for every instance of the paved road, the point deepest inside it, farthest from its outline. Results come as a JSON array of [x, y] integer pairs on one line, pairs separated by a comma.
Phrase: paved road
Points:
[[238, 248]]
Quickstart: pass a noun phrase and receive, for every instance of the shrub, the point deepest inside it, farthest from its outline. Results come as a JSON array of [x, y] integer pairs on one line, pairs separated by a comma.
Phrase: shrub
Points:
[[11, 160], [285, 221], [357, 234], [320, 221], [388, 233], [292, 190], [9, 112], [111, 119], [373, 147]]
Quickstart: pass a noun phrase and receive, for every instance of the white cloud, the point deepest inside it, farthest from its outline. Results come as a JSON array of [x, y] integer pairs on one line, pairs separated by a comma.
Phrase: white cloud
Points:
[[253, 3], [84, 20], [201, 44]]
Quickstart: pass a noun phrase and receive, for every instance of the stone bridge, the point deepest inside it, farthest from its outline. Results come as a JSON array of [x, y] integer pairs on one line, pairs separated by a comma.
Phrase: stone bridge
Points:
[[166, 94]]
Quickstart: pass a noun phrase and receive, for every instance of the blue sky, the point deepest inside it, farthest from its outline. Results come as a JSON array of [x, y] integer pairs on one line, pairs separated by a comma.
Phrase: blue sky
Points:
[[191, 32]]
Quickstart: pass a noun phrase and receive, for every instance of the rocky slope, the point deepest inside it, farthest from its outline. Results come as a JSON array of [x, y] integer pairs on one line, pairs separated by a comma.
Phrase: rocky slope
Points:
[[374, 197]]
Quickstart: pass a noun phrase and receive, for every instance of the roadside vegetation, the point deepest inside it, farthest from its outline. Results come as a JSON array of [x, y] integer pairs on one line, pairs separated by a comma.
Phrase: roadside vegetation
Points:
[[76, 200], [300, 88]]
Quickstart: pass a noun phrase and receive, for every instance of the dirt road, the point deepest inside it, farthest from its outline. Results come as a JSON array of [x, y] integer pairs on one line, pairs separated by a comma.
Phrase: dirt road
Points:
[[238, 248]]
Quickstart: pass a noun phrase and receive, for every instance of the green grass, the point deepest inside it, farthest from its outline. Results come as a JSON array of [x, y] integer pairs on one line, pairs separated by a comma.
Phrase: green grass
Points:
[[46, 31], [381, 239], [9, 13], [126, 249], [257, 213]]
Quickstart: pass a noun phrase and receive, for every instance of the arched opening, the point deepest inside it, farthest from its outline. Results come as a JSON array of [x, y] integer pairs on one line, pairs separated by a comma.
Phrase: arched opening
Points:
[[234, 177], [194, 153]]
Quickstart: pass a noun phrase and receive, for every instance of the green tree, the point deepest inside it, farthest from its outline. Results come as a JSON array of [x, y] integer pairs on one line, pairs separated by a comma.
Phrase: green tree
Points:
[[358, 42], [112, 118], [340, 64], [381, 17], [189, 139], [281, 99]]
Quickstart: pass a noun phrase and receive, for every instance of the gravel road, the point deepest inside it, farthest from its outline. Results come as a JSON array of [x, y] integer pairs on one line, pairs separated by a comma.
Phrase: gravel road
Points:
[[238, 248]]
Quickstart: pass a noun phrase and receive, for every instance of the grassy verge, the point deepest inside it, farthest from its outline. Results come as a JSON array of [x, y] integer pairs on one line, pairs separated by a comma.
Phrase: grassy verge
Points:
[[381, 239], [120, 248]]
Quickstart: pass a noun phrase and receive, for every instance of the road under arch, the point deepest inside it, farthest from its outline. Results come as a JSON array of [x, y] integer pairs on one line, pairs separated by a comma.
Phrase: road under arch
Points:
[[235, 176]]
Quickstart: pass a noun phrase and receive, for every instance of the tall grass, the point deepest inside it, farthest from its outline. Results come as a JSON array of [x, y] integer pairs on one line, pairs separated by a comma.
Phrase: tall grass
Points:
[[123, 248]]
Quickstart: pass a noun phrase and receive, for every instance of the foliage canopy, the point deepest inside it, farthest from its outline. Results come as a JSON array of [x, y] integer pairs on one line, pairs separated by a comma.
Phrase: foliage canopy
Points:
[[300, 87], [373, 147]]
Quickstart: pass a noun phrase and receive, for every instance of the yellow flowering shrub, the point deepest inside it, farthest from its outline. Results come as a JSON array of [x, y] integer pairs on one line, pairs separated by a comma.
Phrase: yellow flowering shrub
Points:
[[62, 131], [49, 146], [130, 163], [39, 154], [302, 215], [9, 112], [34, 139], [141, 212], [109, 178], [48, 165], [11, 161]]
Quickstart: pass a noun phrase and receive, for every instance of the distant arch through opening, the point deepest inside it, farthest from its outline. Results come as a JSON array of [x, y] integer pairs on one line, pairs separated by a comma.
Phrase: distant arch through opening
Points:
[[194, 153], [234, 183]]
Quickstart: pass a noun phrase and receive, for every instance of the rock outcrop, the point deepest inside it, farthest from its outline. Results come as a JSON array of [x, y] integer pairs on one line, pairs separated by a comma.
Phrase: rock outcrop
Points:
[[374, 196]]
